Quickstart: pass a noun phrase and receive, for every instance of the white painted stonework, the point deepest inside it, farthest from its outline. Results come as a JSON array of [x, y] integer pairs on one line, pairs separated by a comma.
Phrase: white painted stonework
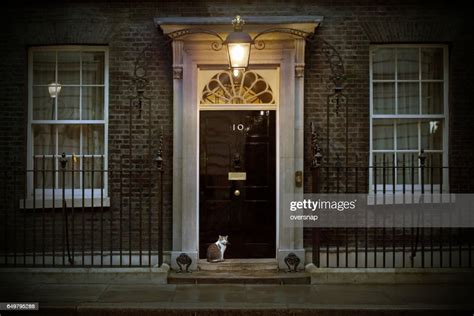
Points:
[[193, 52]]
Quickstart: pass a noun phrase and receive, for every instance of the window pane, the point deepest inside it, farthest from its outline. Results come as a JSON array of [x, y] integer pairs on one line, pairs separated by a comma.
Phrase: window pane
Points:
[[384, 98], [407, 63], [432, 171], [92, 103], [407, 170], [383, 134], [44, 140], [44, 173], [432, 135], [408, 98], [69, 139], [383, 173], [432, 63], [93, 140], [93, 175], [432, 97], [383, 63], [43, 104], [68, 103], [93, 67], [44, 67], [407, 134], [69, 68]]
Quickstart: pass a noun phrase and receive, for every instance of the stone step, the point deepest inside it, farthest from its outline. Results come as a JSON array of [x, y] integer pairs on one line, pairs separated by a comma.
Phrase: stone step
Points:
[[239, 265], [239, 277]]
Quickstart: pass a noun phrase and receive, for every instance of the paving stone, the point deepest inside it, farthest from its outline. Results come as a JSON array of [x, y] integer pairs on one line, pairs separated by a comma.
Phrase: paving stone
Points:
[[138, 293], [278, 294], [239, 299], [351, 294], [68, 292], [435, 294], [210, 293], [17, 292]]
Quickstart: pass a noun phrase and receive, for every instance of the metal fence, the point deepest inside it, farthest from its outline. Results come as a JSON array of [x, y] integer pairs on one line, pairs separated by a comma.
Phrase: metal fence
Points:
[[64, 212], [73, 216], [392, 247]]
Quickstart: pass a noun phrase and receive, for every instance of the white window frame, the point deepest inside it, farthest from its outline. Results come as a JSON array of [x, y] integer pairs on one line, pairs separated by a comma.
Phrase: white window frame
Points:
[[96, 197], [444, 117]]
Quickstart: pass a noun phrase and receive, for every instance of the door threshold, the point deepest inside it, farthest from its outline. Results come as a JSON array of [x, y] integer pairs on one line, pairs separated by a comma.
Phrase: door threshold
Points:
[[244, 260], [239, 265]]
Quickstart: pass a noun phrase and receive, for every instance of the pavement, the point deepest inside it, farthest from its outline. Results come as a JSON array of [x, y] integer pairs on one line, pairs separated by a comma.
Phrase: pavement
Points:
[[243, 299]]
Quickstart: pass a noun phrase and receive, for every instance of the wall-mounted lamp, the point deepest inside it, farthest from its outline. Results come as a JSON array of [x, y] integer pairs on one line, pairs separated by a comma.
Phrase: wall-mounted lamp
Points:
[[54, 88], [238, 43], [238, 46]]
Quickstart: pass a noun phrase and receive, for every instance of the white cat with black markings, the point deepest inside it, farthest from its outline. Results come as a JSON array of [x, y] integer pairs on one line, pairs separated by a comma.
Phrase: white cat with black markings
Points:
[[215, 251]]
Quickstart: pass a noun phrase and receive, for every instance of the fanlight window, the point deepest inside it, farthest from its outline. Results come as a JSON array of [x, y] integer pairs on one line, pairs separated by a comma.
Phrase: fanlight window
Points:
[[246, 88]]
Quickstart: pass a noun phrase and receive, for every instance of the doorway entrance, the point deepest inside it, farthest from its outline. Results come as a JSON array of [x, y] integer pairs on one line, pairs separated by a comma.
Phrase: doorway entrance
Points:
[[237, 182], [237, 161], [274, 83]]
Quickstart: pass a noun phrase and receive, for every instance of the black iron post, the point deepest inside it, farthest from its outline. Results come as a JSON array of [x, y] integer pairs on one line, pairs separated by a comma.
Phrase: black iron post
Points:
[[63, 161], [422, 158], [159, 165], [316, 188]]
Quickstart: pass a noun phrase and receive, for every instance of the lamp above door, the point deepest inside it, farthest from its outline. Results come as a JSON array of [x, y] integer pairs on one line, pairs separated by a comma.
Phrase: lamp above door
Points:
[[238, 43]]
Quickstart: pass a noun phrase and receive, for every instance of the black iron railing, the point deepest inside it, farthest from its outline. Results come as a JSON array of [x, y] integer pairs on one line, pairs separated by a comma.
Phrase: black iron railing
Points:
[[392, 247], [84, 215], [73, 216]]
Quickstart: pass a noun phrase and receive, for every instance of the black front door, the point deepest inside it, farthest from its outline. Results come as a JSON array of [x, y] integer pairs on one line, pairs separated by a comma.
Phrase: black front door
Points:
[[237, 182]]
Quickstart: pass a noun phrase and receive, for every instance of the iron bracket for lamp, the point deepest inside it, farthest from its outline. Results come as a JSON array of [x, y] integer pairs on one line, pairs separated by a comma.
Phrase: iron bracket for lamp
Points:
[[183, 32], [238, 42], [258, 44]]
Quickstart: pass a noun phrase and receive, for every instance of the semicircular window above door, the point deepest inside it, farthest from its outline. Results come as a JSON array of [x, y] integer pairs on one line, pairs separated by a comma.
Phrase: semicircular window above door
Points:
[[246, 88]]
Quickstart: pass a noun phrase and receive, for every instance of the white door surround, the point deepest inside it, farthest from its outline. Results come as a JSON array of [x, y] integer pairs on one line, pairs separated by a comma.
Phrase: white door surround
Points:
[[283, 51]]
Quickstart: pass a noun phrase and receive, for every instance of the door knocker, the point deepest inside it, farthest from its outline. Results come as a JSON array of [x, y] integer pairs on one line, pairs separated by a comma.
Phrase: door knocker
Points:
[[237, 162]]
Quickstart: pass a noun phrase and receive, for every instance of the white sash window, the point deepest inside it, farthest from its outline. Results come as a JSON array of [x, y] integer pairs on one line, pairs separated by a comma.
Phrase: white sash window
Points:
[[409, 113], [75, 122]]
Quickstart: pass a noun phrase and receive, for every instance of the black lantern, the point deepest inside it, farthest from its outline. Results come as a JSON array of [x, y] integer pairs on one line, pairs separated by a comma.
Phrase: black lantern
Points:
[[238, 46]]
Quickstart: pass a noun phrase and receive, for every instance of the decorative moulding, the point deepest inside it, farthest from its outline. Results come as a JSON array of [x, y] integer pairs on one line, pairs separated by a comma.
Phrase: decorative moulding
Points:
[[253, 24]]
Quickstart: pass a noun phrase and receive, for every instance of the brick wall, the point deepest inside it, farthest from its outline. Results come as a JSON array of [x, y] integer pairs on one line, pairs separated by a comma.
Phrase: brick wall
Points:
[[127, 28]]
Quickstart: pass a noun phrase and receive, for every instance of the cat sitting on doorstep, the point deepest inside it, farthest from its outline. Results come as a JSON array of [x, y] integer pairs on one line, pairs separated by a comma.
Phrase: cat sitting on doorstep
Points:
[[215, 251]]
